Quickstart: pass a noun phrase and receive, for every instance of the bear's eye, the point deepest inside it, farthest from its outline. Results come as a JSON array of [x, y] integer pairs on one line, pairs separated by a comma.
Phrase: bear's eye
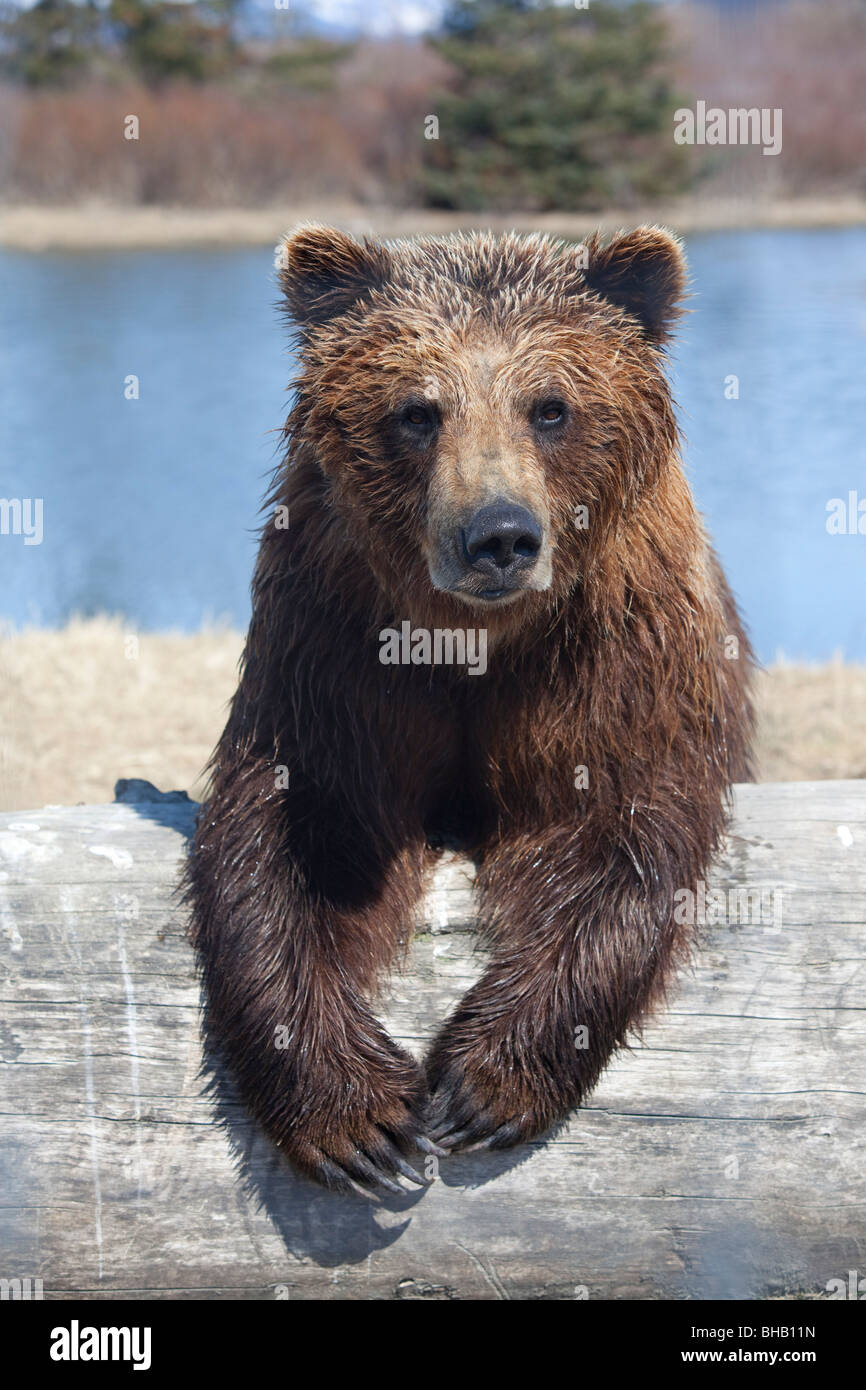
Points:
[[418, 418], [549, 414]]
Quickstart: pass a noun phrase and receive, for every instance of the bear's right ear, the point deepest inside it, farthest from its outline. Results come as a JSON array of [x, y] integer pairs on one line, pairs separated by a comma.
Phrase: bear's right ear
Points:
[[323, 272]]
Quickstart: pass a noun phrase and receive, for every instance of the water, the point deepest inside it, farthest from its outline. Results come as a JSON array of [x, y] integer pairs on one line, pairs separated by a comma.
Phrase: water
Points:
[[785, 312], [151, 505]]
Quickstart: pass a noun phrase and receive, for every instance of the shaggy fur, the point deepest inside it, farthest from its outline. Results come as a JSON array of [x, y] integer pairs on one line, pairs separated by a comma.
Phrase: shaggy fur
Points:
[[335, 772]]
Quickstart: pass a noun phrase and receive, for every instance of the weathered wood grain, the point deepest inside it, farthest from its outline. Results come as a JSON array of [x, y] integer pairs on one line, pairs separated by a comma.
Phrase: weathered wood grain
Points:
[[722, 1157]]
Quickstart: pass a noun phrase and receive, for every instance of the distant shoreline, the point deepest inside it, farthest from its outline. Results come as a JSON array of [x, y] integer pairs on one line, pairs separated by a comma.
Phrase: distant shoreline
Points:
[[93, 227]]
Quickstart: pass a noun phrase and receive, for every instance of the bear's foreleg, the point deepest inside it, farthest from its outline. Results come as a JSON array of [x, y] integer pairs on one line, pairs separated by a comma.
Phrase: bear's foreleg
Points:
[[582, 925], [287, 967]]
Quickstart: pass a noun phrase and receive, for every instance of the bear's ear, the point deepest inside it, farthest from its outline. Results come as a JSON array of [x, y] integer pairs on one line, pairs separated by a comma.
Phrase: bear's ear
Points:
[[323, 272], [642, 272]]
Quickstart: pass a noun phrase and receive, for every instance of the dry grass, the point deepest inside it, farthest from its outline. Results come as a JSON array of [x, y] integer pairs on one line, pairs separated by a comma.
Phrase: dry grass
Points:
[[79, 708], [811, 722], [101, 227]]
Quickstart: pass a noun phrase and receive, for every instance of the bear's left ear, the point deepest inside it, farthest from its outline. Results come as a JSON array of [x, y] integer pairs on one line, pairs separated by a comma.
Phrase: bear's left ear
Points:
[[323, 272], [642, 272]]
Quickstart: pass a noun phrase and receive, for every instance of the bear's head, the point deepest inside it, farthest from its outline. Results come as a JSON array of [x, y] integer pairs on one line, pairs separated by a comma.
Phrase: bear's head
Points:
[[488, 412]]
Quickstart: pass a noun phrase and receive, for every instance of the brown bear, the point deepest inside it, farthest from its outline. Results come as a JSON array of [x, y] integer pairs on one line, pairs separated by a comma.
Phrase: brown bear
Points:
[[483, 443]]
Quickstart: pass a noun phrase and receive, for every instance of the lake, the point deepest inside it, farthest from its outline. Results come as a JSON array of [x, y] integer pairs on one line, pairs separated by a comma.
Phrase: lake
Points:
[[150, 505]]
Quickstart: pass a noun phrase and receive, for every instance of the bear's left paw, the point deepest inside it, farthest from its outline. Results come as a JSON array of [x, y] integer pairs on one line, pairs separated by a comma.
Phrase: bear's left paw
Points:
[[476, 1103]]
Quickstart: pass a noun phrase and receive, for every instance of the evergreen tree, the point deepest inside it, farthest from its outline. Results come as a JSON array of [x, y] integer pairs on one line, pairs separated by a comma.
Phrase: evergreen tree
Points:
[[552, 106], [48, 44], [166, 39]]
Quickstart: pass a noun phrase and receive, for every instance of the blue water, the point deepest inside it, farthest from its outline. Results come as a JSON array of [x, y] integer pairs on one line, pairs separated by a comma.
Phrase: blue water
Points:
[[150, 505]]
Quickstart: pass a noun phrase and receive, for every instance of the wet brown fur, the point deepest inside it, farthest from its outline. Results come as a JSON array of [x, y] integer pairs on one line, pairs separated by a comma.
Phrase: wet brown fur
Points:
[[302, 895]]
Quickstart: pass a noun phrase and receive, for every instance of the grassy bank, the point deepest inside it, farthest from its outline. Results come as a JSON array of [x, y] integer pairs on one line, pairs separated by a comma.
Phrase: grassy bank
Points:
[[93, 702], [104, 227]]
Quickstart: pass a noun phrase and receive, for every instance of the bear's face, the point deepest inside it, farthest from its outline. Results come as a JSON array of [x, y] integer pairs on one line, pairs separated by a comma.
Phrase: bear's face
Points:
[[488, 412]]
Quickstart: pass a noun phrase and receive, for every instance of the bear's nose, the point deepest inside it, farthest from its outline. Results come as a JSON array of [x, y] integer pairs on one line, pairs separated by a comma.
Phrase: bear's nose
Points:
[[502, 536]]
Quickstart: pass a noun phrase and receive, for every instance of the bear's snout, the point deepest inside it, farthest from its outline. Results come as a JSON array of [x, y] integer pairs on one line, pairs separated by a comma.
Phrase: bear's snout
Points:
[[501, 543], [490, 553]]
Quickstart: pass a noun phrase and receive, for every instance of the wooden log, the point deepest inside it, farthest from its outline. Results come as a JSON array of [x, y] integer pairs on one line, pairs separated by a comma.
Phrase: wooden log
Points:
[[721, 1157]]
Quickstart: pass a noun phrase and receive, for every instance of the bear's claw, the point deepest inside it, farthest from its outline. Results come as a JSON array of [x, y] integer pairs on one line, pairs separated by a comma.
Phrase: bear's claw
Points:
[[428, 1147], [458, 1122], [366, 1173]]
